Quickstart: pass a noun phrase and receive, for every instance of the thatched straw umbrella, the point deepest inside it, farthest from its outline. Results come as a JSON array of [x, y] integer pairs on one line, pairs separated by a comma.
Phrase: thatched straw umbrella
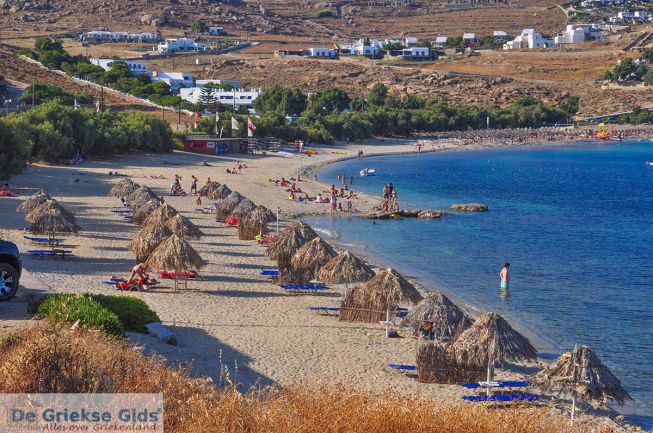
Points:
[[289, 241], [225, 206], [489, 340], [448, 320], [373, 301], [141, 196], [221, 192], [307, 261], [581, 374], [148, 239], [46, 206], [145, 210], [345, 268], [52, 220], [163, 213], [255, 223], [244, 208], [436, 364], [183, 227], [34, 201], [175, 254], [208, 188], [124, 188]]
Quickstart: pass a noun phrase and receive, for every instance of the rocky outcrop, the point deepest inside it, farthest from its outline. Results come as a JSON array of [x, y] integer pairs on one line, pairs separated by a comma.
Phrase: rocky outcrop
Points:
[[407, 213], [469, 207]]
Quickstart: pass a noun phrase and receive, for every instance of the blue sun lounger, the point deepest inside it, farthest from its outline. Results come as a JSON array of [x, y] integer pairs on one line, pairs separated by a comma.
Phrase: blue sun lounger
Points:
[[122, 211], [403, 367], [270, 273], [503, 398], [304, 288], [50, 253], [500, 384], [46, 241]]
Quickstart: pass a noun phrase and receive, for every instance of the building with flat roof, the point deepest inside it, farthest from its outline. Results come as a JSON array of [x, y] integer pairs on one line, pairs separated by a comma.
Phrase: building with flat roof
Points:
[[135, 66]]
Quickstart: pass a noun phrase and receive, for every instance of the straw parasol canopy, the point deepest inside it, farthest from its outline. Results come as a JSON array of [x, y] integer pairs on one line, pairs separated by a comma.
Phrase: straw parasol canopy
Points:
[[141, 196], [124, 188], [395, 286], [245, 207], [448, 320], [34, 201], [163, 213], [345, 268], [175, 254], [491, 339], [145, 210], [581, 373], [46, 206], [260, 215], [290, 240], [148, 239], [307, 261], [52, 220], [219, 193], [225, 206], [208, 188], [183, 227]]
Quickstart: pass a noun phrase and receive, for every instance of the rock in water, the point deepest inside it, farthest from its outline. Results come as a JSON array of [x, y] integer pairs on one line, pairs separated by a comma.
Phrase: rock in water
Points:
[[469, 207]]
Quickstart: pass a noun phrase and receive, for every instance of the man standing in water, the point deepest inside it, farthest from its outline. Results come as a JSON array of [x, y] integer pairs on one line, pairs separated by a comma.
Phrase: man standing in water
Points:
[[505, 277]]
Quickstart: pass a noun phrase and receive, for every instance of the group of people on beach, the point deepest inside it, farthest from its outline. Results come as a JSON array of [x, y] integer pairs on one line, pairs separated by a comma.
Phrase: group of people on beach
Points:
[[389, 198], [238, 168]]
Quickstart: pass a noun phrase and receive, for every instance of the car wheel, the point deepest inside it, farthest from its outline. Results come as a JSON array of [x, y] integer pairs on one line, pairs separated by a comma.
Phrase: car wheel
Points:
[[8, 281]]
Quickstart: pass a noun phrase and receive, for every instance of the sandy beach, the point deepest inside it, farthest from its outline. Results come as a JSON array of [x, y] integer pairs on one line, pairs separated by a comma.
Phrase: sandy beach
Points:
[[231, 318]]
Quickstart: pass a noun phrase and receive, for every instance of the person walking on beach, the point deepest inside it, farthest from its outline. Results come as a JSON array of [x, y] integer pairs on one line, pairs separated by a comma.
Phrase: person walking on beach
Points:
[[505, 277], [193, 185]]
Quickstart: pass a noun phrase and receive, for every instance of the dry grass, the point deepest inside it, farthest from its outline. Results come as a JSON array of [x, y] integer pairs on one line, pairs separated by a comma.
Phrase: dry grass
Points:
[[51, 358]]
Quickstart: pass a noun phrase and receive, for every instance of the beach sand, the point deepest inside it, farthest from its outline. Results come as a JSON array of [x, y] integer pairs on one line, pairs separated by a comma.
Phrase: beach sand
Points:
[[231, 318]]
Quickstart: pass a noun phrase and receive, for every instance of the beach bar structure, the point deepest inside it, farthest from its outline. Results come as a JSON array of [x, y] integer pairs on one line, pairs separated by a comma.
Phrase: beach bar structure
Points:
[[214, 145]]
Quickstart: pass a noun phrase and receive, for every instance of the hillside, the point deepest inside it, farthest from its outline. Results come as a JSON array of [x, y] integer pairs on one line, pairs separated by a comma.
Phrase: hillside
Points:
[[423, 19]]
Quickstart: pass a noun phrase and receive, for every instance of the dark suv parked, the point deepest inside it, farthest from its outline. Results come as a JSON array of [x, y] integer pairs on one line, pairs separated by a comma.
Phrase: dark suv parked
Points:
[[10, 269]]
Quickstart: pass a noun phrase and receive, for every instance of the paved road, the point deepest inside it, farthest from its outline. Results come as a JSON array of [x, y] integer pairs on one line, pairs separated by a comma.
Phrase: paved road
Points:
[[14, 314]]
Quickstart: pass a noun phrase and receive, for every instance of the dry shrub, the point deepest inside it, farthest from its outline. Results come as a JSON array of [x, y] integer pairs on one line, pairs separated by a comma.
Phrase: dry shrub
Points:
[[51, 358]]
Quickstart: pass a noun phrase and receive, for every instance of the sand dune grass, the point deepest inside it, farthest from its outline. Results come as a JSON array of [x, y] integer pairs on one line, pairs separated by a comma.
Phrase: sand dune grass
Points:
[[53, 358]]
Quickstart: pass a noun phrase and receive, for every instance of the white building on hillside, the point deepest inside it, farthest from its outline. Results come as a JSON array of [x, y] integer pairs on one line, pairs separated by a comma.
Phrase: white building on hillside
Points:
[[135, 66], [410, 42], [180, 44], [416, 53], [328, 53], [440, 41], [100, 36], [499, 35], [362, 47], [176, 80], [234, 98], [530, 39], [577, 33], [215, 31], [233, 83], [469, 38]]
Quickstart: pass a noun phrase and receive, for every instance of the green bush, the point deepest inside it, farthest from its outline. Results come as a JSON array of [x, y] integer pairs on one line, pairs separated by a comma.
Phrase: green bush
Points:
[[324, 14], [132, 312], [90, 313]]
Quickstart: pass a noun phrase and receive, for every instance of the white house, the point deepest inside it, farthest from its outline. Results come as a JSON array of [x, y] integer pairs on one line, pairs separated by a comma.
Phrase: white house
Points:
[[359, 48], [574, 34], [135, 66], [233, 83], [416, 53], [234, 98], [410, 42], [469, 38], [528, 39], [99, 36], [440, 41], [176, 80], [328, 53], [180, 44], [214, 30], [499, 35]]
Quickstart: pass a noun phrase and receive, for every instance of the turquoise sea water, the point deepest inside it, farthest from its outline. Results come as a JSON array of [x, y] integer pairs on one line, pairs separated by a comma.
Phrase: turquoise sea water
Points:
[[576, 223]]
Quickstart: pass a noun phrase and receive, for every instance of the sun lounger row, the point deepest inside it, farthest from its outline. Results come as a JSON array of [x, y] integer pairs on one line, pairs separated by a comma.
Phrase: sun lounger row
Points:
[[297, 288], [270, 273], [50, 253], [122, 211], [500, 384], [43, 240], [513, 397], [403, 367]]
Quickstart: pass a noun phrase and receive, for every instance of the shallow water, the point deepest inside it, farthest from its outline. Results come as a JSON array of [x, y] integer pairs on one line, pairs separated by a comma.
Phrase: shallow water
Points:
[[576, 223]]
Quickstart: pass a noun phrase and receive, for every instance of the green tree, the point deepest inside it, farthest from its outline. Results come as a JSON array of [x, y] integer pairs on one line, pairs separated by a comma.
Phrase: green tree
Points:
[[570, 106], [45, 92], [378, 94], [199, 26], [282, 100], [648, 78], [15, 150], [328, 100]]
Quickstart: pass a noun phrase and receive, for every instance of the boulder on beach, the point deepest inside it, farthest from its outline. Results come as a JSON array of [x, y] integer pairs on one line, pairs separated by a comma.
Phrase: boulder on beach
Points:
[[469, 207], [411, 213], [432, 214]]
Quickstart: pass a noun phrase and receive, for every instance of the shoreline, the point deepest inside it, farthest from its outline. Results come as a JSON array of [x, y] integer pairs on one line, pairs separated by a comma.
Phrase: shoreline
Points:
[[270, 336]]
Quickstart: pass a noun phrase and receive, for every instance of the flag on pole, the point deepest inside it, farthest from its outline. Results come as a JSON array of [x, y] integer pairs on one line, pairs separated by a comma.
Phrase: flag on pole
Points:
[[234, 123], [250, 128], [217, 121]]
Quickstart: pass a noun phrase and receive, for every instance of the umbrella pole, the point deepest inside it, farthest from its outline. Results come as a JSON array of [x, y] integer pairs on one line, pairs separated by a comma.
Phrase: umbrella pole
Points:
[[487, 390], [573, 409]]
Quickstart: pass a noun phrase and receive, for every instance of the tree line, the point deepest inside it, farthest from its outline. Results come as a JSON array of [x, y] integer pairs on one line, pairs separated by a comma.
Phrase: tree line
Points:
[[54, 132]]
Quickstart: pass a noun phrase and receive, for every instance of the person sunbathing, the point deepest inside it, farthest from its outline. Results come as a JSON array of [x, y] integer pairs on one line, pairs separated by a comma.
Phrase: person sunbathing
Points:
[[292, 196], [139, 270], [352, 194], [319, 199]]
